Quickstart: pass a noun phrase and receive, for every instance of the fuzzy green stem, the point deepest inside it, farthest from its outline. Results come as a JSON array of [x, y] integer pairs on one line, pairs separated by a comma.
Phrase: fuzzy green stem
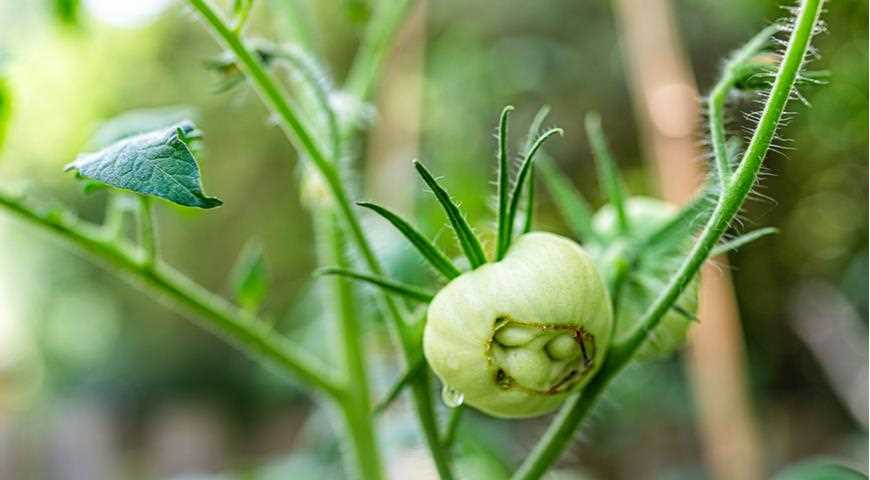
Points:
[[240, 328], [561, 430], [267, 87], [731, 74]]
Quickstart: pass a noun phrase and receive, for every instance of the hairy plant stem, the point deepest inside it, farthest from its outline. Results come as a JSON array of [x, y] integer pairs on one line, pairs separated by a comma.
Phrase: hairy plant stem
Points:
[[268, 89], [561, 430], [731, 74], [238, 327]]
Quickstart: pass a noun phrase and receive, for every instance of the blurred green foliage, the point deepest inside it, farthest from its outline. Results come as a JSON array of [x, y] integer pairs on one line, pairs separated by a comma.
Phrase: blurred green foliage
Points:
[[95, 337]]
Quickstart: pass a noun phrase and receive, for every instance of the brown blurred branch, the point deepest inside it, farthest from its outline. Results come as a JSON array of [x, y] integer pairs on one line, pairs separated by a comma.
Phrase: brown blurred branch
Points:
[[666, 101]]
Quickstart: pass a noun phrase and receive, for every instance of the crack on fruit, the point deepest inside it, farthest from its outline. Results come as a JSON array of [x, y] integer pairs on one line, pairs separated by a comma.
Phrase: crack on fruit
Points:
[[573, 376]]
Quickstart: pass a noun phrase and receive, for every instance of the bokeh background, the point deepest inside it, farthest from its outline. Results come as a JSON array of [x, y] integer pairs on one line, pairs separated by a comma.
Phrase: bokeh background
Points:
[[99, 381]]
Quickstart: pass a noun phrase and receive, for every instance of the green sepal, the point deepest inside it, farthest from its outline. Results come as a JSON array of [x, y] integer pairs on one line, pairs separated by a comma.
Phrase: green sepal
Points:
[[430, 252], [522, 176], [464, 234], [408, 291]]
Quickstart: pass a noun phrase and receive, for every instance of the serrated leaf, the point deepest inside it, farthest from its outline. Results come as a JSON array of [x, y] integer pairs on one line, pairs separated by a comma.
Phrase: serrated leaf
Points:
[[248, 278], [158, 163]]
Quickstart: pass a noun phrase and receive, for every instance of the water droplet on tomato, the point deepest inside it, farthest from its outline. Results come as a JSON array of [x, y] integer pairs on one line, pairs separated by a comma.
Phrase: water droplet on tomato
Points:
[[451, 397]]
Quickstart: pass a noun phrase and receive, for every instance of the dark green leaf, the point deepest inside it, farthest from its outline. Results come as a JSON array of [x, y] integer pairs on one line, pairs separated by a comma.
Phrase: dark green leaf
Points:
[[158, 163], [467, 239], [248, 277], [426, 248], [410, 291]]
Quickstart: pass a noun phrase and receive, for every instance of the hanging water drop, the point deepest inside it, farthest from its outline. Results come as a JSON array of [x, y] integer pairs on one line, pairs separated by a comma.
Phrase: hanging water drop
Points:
[[451, 397]]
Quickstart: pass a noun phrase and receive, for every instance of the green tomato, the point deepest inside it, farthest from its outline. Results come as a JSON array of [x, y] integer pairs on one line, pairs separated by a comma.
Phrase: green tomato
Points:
[[642, 285], [515, 337]]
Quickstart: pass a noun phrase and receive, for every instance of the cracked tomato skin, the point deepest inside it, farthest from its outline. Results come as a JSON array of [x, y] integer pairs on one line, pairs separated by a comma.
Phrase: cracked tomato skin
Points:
[[515, 337], [642, 286]]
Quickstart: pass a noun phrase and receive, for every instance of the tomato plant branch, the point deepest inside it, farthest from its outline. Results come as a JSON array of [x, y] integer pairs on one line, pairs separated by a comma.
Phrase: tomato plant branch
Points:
[[561, 430], [268, 89], [240, 328]]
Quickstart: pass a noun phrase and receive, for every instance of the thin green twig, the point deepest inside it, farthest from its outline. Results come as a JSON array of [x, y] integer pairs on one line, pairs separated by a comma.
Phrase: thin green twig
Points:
[[147, 230], [240, 328], [399, 385]]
